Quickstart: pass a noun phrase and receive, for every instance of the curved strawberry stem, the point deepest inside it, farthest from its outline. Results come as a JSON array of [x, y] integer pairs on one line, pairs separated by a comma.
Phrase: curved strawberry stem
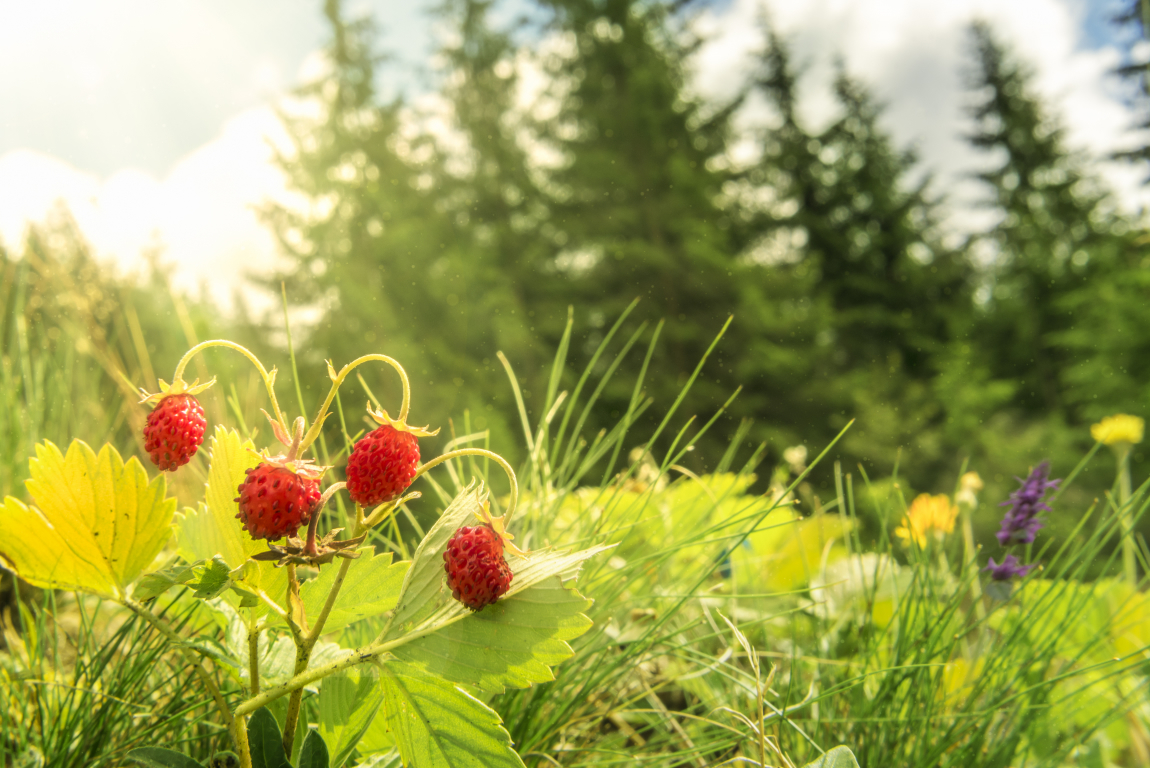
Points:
[[309, 546], [502, 462], [269, 378], [337, 380]]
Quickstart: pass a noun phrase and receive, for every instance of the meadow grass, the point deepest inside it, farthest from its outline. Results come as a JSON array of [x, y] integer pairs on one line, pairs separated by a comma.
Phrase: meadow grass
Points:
[[729, 626]]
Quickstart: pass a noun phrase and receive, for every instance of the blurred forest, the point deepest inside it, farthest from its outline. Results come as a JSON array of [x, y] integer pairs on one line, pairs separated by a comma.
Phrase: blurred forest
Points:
[[565, 162]]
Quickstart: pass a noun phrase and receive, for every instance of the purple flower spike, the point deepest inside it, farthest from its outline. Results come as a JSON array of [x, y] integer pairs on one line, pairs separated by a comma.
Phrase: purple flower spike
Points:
[[1021, 523], [1008, 569]]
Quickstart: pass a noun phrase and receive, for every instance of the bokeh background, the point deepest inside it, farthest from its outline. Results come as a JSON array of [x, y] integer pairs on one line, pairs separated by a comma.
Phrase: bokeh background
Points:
[[927, 217]]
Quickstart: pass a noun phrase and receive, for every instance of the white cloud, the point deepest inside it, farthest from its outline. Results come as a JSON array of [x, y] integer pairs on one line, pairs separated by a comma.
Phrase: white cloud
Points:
[[913, 54], [202, 214]]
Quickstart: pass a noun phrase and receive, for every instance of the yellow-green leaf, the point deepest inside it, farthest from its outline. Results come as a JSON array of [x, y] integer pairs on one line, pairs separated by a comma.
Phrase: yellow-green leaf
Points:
[[96, 524], [213, 529]]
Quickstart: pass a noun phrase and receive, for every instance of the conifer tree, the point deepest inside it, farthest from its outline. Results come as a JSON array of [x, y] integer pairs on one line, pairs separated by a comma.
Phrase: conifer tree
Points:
[[1056, 231], [1133, 25], [634, 199], [844, 204], [404, 242]]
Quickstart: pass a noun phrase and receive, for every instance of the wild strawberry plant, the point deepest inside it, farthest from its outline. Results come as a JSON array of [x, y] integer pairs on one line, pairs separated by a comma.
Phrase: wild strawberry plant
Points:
[[468, 615]]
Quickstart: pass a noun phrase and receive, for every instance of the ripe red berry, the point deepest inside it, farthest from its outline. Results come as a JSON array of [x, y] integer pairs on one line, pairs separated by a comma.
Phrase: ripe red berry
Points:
[[174, 431], [274, 501], [382, 466], [476, 571]]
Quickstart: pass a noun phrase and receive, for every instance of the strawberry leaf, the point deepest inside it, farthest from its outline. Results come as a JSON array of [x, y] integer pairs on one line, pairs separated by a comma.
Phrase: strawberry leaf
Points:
[[156, 584], [97, 523], [371, 588], [265, 742], [513, 642], [425, 601], [839, 757], [434, 723], [213, 528], [347, 703], [158, 757], [314, 752]]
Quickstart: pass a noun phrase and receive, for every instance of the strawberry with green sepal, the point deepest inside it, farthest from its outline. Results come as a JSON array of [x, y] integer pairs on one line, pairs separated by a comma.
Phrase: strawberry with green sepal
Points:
[[281, 493], [175, 428], [384, 462], [477, 573]]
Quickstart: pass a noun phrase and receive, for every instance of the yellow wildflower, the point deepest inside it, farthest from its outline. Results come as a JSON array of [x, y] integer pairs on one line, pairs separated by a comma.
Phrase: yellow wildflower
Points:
[[927, 514], [1120, 428]]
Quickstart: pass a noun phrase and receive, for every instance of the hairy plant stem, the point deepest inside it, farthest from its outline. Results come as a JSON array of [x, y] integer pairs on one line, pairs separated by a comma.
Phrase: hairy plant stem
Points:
[[254, 657], [358, 656], [303, 654], [268, 378], [239, 729], [306, 643], [309, 547], [196, 665]]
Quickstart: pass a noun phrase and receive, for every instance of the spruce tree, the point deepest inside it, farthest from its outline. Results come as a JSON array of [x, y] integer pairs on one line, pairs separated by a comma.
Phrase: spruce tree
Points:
[[634, 200], [404, 242], [1055, 232], [1132, 23], [852, 220]]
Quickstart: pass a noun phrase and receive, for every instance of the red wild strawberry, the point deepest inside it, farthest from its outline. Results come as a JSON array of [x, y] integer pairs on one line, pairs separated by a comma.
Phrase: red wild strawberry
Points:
[[276, 499], [476, 571], [383, 463], [174, 431]]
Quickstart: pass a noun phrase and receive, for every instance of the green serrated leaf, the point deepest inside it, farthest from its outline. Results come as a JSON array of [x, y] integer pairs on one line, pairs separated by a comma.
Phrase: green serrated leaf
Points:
[[514, 642], [424, 595], [97, 524], [213, 528], [839, 757], [156, 584], [266, 743], [314, 752], [248, 599], [421, 593], [157, 757], [370, 589], [211, 579], [347, 703], [435, 724]]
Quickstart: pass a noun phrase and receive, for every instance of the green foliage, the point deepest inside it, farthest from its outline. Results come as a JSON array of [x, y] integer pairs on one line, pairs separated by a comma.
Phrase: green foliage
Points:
[[839, 757], [266, 742], [615, 181], [372, 589], [347, 707], [212, 529], [158, 757], [514, 643], [612, 181], [435, 723], [75, 700], [98, 521], [314, 752]]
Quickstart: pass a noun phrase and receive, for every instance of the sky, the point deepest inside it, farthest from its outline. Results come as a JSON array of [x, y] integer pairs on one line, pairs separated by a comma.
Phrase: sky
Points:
[[153, 121]]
